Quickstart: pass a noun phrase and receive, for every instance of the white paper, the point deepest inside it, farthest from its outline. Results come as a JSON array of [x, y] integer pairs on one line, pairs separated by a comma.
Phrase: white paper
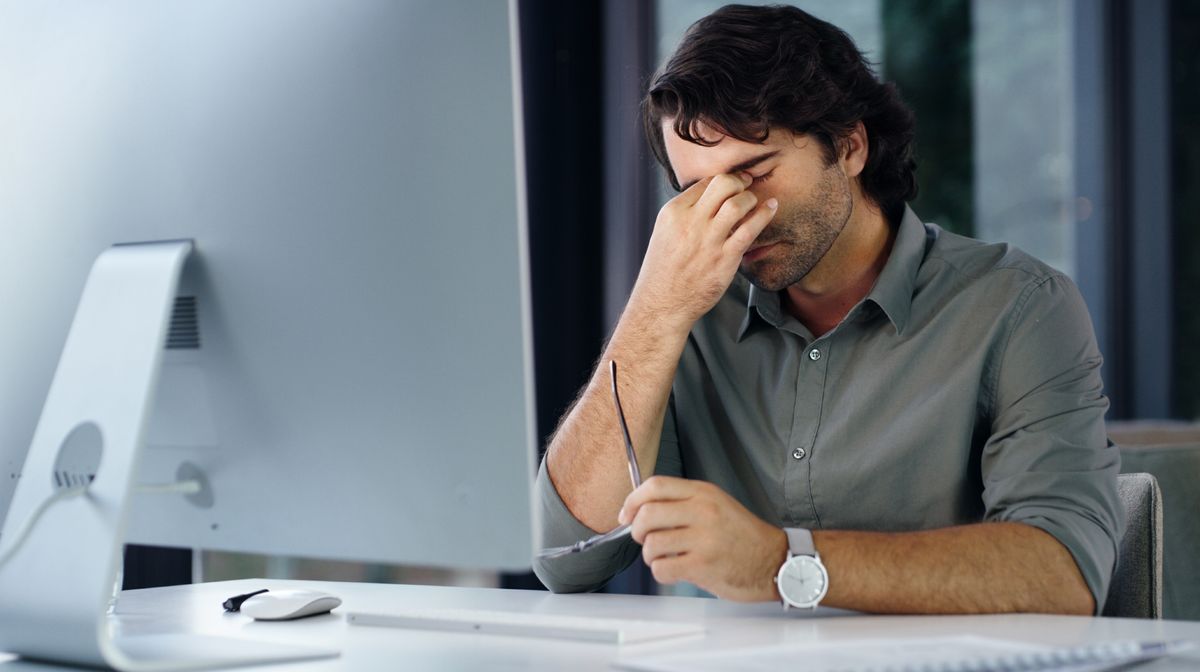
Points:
[[943, 654]]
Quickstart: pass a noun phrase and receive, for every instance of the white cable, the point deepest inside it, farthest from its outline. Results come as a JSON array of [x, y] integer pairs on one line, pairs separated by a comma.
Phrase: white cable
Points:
[[181, 487], [177, 488], [50, 501]]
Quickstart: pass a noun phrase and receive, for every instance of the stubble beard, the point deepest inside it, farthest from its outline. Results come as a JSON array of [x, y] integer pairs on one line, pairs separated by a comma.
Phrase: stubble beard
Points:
[[804, 232]]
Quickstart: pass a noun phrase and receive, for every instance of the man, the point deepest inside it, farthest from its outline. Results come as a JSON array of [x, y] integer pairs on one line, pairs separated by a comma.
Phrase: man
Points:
[[841, 405]]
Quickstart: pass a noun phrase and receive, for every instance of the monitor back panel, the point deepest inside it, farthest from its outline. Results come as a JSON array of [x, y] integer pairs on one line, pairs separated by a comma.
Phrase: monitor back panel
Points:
[[350, 365]]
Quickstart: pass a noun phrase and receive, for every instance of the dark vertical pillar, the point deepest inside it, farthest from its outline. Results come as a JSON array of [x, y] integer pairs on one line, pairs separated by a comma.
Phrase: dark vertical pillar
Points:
[[1140, 311], [1150, 187], [628, 181], [1100, 207], [562, 80], [629, 31], [1185, 201]]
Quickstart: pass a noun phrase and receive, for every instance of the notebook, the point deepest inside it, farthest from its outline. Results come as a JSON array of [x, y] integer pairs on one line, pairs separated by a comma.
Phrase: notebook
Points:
[[939, 654]]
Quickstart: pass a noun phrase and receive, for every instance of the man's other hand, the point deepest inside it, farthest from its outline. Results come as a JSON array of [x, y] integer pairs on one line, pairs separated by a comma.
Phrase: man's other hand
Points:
[[698, 242], [693, 531]]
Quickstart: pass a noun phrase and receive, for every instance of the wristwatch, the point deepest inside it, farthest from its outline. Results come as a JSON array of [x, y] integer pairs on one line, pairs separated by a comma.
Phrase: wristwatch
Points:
[[802, 579]]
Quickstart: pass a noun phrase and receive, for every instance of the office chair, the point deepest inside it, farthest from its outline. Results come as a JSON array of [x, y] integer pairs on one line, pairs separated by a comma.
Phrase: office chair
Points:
[[1136, 590]]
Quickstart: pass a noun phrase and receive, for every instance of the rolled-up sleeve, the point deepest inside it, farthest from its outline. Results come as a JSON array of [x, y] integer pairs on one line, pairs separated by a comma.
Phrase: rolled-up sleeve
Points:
[[591, 569], [1048, 462]]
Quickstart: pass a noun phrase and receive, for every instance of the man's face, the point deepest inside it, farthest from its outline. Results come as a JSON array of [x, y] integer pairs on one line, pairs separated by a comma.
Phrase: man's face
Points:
[[815, 200]]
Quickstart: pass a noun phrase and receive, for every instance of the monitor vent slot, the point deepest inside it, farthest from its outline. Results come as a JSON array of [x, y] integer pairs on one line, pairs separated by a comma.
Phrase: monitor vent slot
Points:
[[184, 332], [70, 479]]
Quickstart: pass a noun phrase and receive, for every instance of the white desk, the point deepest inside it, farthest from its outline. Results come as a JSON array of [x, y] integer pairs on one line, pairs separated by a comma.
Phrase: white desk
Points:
[[197, 608]]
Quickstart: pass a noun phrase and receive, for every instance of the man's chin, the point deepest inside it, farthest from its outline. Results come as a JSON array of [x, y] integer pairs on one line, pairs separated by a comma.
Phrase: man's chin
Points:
[[768, 279]]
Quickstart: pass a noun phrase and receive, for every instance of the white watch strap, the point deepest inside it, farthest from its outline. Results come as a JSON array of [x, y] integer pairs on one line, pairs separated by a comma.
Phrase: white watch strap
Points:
[[800, 541]]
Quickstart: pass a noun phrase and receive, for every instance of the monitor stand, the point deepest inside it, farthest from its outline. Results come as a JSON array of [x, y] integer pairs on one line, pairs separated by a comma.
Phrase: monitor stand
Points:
[[56, 589]]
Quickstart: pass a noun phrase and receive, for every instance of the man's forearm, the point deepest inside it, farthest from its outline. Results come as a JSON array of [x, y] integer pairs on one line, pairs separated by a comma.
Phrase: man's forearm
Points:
[[982, 568], [585, 460], [698, 242]]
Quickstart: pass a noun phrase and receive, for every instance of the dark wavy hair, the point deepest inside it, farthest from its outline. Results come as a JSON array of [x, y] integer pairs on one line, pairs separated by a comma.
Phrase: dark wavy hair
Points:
[[744, 70]]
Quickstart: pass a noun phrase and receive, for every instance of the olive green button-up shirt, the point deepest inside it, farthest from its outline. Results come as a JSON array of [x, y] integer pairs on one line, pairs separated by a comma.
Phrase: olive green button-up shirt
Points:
[[964, 388]]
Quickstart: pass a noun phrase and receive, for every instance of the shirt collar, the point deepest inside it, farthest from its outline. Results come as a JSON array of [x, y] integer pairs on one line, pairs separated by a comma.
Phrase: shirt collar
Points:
[[893, 290], [764, 304]]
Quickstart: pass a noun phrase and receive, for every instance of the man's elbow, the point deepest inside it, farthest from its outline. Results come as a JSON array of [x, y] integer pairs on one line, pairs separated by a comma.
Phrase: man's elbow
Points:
[[1059, 586], [555, 584], [1066, 594], [1062, 598], [1076, 601]]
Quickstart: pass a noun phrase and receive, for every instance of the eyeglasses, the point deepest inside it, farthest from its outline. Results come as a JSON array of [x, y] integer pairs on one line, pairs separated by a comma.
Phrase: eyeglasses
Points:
[[635, 475]]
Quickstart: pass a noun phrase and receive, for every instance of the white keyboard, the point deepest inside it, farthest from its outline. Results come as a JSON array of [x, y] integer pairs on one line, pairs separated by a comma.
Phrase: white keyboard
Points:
[[194, 652], [522, 624]]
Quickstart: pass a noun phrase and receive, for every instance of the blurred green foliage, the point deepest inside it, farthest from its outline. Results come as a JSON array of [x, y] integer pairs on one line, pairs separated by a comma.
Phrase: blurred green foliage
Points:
[[927, 54]]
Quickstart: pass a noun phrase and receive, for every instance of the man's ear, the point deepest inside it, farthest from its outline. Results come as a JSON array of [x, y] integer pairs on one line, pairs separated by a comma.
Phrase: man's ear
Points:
[[854, 150]]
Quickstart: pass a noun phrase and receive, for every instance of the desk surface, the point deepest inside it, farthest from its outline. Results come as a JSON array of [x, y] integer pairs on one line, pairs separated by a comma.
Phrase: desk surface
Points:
[[197, 608]]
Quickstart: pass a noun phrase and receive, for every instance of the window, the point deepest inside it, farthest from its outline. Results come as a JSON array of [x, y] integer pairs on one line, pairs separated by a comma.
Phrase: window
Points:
[[1044, 124]]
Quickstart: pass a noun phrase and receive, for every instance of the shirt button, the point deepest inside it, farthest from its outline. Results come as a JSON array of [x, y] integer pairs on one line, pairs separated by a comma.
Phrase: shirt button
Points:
[[814, 354], [799, 453]]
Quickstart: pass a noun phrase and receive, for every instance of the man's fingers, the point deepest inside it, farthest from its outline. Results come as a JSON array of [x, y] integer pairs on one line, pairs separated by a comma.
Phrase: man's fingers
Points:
[[656, 488], [732, 211], [660, 515], [671, 569], [745, 234], [719, 189], [666, 543], [693, 193]]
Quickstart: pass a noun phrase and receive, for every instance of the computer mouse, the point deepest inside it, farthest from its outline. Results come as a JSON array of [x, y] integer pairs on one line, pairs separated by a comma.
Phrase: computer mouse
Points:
[[282, 605]]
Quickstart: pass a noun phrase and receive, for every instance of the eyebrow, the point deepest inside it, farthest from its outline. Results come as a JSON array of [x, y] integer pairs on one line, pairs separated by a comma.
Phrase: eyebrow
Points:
[[744, 165]]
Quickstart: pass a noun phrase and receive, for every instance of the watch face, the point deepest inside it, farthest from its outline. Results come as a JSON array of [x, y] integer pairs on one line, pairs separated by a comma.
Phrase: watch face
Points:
[[803, 581]]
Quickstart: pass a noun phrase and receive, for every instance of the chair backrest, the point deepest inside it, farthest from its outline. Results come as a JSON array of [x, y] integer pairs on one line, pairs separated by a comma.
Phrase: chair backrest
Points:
[[1136, 590]]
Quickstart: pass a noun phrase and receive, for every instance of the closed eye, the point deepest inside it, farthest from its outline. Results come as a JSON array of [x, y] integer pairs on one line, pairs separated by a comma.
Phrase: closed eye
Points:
[[764, 177]]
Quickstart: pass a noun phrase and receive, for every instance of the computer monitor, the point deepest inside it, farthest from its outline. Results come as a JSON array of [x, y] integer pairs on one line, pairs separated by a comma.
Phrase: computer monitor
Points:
[[346, 365]]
